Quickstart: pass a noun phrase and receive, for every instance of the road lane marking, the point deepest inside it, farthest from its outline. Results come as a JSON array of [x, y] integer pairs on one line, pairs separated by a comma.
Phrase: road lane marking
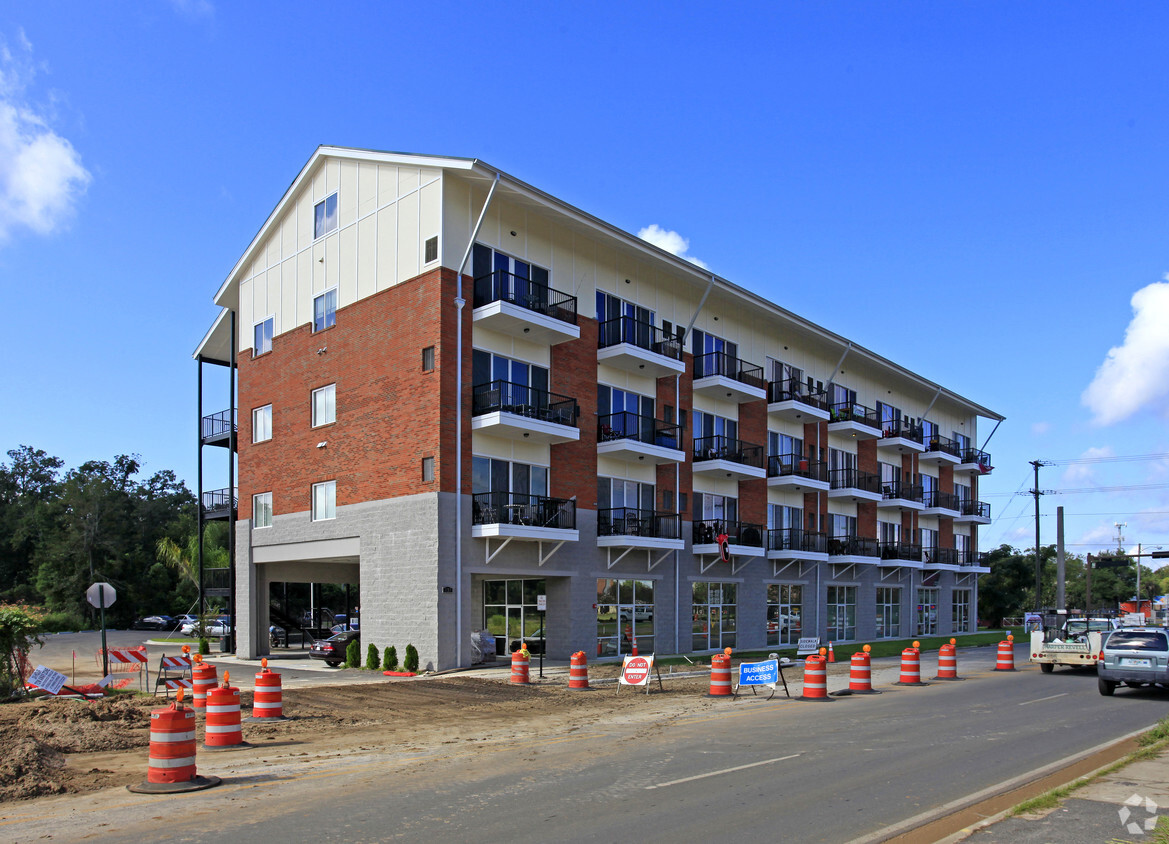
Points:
[[1041, 699], [723, 771]]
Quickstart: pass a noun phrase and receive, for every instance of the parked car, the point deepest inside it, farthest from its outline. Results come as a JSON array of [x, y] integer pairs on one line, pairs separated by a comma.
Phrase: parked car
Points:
[[332, 650], [535, 643], [211, 628], [341, 627], [1135, 656], [641, 612], [153, 622]]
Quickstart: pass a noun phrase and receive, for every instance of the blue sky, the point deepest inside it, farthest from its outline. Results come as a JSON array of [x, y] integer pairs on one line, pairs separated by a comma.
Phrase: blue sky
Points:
[[978, 191]]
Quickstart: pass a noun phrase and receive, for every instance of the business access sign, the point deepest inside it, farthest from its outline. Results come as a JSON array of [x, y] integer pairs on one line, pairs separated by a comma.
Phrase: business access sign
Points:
[[764, 673]]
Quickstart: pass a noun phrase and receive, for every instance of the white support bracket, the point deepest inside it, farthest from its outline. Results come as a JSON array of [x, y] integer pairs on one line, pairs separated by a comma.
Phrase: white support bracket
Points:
[[737, 567], [652, 563], [620, 557], [893, 572], [546, 557], [961, 579], [704, 566], [491, 555], [842, 569]]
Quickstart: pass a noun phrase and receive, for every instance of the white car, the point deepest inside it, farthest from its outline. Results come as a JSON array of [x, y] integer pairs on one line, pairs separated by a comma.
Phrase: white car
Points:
[[212, 628]]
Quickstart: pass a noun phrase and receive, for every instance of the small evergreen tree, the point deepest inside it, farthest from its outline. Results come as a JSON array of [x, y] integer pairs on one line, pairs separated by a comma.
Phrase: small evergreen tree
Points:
[[204, 647], [390, 659], [353, 655], [411, 662], [371, 658]]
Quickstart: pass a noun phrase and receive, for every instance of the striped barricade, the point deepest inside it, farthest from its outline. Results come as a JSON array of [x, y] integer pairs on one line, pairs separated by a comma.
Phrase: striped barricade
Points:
[[123, 661], [174, 673]]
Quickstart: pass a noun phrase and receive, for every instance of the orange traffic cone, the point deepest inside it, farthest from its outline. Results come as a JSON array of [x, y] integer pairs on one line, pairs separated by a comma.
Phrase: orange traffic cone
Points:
[[831, 654]]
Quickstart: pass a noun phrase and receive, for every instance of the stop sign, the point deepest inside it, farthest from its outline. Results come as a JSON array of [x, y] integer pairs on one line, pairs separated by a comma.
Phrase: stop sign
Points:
[[99, 592], [636, 670]]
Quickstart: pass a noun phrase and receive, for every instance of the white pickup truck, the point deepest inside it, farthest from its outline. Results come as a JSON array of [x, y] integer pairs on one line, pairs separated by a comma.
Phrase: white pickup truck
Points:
[[1075, 642]]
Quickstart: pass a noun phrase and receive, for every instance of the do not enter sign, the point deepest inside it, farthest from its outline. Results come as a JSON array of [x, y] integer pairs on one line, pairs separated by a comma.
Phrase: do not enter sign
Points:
[[635, 670]]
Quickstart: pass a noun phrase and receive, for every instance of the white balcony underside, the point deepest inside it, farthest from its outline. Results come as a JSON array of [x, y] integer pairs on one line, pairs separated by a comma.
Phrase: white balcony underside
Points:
[[629, 449], [529, 533], [796, 483], [728, 469], [509, 318], [631, 358], [852, 428], [796, 411], [722, 387], [901, 445], [852, 493], [516, 426], [648, 542], [807, 556]]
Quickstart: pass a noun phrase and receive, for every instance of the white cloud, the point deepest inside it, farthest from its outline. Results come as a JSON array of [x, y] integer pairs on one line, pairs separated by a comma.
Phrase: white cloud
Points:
[[41, 175], [671, 241], [1135, 375], [1040, 428], [1084, 474]]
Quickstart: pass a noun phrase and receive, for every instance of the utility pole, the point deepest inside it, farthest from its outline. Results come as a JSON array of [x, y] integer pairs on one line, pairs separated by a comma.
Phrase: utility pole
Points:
[[1060, 601], [1036, 491]]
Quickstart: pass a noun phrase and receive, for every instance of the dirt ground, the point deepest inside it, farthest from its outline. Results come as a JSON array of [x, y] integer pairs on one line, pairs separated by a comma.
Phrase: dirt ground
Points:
[[71, 746]]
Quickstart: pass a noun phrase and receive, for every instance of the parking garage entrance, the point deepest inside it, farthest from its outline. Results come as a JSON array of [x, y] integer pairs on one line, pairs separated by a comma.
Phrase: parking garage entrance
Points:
[[510, 614]]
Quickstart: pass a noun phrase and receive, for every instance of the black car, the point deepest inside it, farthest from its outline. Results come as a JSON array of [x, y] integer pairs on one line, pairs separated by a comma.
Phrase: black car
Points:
[[153, 622], [332, 650]]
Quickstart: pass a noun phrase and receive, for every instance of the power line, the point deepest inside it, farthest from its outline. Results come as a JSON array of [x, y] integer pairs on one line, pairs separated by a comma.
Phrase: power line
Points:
[[1108, 459], [1078, 490]]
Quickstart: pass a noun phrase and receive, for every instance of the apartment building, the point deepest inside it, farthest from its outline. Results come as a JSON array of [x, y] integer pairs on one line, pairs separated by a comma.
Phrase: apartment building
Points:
[[468, 399]]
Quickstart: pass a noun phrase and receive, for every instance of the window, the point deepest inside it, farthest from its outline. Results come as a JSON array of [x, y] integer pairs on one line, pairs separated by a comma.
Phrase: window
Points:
[[324, 501], [713, 355], [713, 613], [622, 414], [625, 615], [960, 611], [784, 603], [262, 510], [888, 612], [325, 406], [624, 322], [789, 377], [502, 277], [714, 436], [841, 613], [428, 359], [431, 250], [325, 310], [503, 492], [714, 514], [427, 470], [263, 337], [509, 611], [262, 424], [325, 216], [927, 612]]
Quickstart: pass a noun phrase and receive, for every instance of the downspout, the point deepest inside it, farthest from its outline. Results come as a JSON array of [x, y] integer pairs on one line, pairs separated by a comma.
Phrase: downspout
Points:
[[231, 489], [832, 378], [698, 310], [459, 303], [677, 499], [926, 412], [202, 609]]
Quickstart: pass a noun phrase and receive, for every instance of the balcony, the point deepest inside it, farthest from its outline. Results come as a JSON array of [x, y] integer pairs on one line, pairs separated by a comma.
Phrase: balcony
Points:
[[217, 428], [901, 437], [944, 504], [796, 473], [853, 549], [639, 347], [743, 537], [901, 554], [790, 400], [631, 436], [944, 559], [513, 305], [973, 561], [973, 513], [941, 450], [719, 455], [722, 376], [854, 484], [796, 544], [852, 419], [518, 411], [901, 496], [219, 504], [524, 517], [974, 460], [217, 582], [626, 527]]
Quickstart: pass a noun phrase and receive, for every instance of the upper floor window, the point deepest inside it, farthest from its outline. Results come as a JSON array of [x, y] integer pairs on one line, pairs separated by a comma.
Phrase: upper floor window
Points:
[[263, 336], [325, 310], [324, 501], [262, 510], [786, 374], [487, 367], [713, 355], [325, 405], [624, 322], [490, 474], [325, 216], [262, 423], [499, 276]]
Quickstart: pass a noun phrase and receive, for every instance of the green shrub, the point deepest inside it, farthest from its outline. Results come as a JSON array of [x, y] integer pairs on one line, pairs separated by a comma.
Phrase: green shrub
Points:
[[204, 646], [353, 655], [411, 661], [63, 622], [390, 659], [20, 629], [371, 658]]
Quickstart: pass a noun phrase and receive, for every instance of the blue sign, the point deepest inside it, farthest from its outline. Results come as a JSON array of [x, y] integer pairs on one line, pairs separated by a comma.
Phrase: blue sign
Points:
[[764, 673]]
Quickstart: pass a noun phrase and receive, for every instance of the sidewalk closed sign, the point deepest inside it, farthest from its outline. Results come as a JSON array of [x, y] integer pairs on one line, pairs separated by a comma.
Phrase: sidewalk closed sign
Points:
[[764, 673], [635, 670], [48, 679]]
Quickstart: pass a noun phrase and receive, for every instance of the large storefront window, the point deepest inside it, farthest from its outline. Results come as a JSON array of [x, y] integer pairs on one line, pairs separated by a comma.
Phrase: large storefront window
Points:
[[625, 615], [960, 611], [841, 613], [509, 612], [927, 612], [888, 612], [784, 603], [713, 614]]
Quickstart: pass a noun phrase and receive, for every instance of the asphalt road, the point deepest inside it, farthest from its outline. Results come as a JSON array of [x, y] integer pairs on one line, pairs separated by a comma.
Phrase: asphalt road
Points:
[[789, 770]]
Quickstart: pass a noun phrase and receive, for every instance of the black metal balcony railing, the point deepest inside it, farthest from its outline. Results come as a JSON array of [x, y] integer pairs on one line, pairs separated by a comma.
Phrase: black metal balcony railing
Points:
[[501, 286], [853, 546], [513, 508], [220, 499], [784, 465], [976, 455], [707, 532], [937, 442], [218, 424], [724, 448], [794, 389], [217, 578], [644, 335], [901, 551], [720, 363], [902, 491], [974, 508], [854, 479], [972, 558], [941, 500], [940, 556], [796, 539], [523, 400], [850, 411], [625, 425], [901, 428], [629, 521]]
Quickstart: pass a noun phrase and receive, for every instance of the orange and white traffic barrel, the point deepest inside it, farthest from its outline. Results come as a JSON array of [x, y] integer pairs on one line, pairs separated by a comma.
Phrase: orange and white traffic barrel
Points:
[[578, 671], [203, 676], [222, 730], [910, 668], [268, 698], [720, 675], [171, 767], [860, 674], [520, 661], [816, 680], [1006, 655], [947, 663]]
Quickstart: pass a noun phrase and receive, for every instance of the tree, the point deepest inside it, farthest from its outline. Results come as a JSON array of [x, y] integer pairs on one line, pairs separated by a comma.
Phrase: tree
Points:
[[1009, 587], [28, 483]]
